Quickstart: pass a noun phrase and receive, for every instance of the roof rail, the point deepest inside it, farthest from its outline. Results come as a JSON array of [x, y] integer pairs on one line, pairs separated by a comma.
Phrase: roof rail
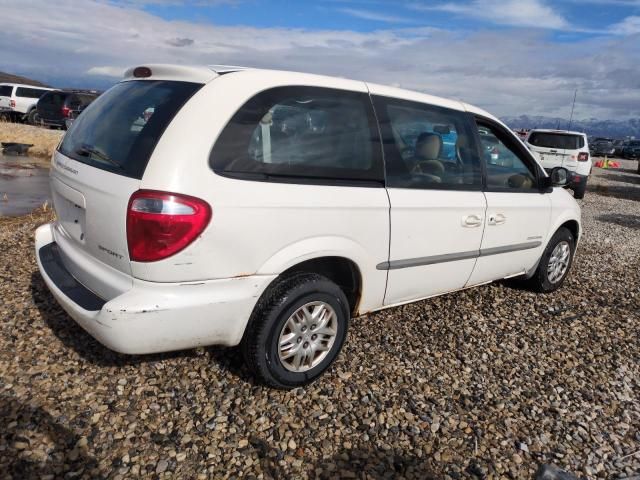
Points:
[[221, 69]]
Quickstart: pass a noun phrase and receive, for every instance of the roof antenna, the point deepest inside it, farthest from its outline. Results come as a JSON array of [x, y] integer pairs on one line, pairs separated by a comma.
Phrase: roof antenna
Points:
[[572, 107]]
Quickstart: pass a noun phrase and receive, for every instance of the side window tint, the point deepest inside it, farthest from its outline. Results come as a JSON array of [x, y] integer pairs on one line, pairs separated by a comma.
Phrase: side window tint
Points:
[[505, 169], [29, 92], [301, 132], [427, 146]]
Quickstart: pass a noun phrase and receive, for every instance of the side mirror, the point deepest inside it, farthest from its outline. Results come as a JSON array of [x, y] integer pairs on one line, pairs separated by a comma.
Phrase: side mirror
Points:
[[559, 177]]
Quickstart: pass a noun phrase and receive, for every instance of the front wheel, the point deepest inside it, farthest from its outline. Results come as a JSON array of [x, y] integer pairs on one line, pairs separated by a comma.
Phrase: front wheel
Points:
[[296, 331], [555, 262]]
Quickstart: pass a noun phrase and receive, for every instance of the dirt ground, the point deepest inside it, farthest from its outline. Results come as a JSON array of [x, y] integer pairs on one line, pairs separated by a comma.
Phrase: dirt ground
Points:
[[44, 140]]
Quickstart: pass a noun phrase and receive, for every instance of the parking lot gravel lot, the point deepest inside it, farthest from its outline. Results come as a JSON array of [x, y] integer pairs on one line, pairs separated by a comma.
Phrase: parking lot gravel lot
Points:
[[484, 383]]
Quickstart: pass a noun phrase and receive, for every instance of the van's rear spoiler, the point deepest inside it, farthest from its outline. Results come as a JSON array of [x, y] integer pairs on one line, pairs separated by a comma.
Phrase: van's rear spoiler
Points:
[[181, 73]]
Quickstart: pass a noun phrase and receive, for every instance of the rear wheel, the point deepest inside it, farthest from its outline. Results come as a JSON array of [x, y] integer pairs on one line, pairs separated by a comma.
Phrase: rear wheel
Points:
[[296, 331], [555, 262], [33, 118]]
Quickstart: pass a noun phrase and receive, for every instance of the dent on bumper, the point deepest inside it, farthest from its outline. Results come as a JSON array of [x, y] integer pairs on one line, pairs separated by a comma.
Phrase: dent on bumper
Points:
[[154, 317]]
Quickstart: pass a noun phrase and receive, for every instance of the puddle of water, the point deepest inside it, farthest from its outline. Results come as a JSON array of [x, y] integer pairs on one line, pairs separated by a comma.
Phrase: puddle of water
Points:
[[24, 184]]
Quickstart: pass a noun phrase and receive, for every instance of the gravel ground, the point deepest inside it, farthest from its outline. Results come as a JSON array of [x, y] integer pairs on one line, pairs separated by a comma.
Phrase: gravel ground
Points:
[[485, 383]]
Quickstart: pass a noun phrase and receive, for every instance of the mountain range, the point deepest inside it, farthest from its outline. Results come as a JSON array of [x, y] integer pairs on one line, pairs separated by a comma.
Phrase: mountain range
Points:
[[10, 78], [593, 127]]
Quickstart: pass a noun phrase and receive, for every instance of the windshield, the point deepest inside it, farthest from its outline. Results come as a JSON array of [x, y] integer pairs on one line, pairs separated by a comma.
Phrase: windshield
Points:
[[120, 129], [556, 140]]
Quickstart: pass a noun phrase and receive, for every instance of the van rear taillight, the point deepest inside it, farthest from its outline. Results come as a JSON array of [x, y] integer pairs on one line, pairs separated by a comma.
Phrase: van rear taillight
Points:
[[12, 103], [66, 112], [583, 156], [160, 224]]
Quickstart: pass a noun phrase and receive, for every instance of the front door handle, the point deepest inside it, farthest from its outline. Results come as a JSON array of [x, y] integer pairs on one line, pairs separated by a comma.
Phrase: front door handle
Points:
[[497, 219], [471, 221]]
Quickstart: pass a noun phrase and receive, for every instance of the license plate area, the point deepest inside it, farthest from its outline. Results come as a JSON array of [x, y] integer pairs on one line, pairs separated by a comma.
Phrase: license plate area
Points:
[[70, 209]]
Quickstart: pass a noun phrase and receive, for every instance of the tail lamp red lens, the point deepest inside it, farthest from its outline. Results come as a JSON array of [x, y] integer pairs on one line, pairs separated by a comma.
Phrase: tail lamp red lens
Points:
[[12, 103], [66, 112], [160, 224], [583, 156]]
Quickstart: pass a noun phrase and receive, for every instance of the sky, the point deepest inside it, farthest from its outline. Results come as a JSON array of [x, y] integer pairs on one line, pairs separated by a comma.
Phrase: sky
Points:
[[510, 57]]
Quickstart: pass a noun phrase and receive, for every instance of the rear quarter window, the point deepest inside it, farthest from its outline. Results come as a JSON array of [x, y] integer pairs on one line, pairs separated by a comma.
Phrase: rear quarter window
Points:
[[120, 129], [29, 92], [5, 90], [301, 134]]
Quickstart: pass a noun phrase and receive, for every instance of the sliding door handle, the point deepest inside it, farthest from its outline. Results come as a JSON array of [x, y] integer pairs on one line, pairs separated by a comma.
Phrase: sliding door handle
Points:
[[497, 219]]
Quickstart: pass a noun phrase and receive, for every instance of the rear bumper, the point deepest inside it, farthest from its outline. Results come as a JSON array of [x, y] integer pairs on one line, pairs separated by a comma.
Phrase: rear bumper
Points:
[[153, 317], [49, 122], [577, 181]]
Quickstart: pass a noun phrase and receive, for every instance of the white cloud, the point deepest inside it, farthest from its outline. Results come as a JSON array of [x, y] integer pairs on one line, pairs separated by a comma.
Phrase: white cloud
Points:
[[521, 13], [628, 26], [508, 72], [375, 16], [107, 71]]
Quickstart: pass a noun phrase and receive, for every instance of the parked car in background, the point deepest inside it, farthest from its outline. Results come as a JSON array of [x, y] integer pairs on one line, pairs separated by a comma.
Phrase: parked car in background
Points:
[[21, 100], [618, 146], [601, 148], [631, 150], [274, 221], [58, 108], [561, 148]]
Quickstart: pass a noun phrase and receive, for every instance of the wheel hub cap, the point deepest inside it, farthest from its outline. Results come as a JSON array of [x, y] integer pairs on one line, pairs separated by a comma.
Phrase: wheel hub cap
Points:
[[558, 262], [307, 336]]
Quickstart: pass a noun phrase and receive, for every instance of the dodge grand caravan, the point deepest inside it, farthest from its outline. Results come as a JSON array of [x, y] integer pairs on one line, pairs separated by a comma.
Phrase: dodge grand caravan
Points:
[[200, 206]]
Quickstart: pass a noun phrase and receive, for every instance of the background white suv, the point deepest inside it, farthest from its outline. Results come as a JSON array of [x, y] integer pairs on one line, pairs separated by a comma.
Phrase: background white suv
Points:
[[199, 206], [20, 100], [561, 148]]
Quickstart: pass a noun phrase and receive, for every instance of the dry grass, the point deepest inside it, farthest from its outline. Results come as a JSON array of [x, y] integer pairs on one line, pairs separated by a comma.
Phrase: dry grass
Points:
[[44, 141]]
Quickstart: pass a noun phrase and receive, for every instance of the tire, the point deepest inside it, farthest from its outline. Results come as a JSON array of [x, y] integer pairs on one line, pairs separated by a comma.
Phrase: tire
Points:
[[541, 280], [33, 118], [272, 318], [579, 191]]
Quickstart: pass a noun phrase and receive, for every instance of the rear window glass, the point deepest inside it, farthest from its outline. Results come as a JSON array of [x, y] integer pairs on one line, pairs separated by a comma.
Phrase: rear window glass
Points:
[[314, 133], [556, 140], [5, 90], [29, 92], [55, 98], [120, 129]]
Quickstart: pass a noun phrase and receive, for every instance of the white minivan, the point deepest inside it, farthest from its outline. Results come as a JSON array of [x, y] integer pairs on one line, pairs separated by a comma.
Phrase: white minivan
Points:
[[562, 148], [226, 206]]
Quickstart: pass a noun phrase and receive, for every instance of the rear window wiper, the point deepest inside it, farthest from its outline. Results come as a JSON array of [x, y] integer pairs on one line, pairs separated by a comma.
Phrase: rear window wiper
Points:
[[86, 151]]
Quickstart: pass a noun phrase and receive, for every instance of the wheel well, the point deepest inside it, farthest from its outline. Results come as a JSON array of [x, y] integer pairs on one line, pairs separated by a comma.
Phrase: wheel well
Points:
[[573, 227], [342, 271]]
